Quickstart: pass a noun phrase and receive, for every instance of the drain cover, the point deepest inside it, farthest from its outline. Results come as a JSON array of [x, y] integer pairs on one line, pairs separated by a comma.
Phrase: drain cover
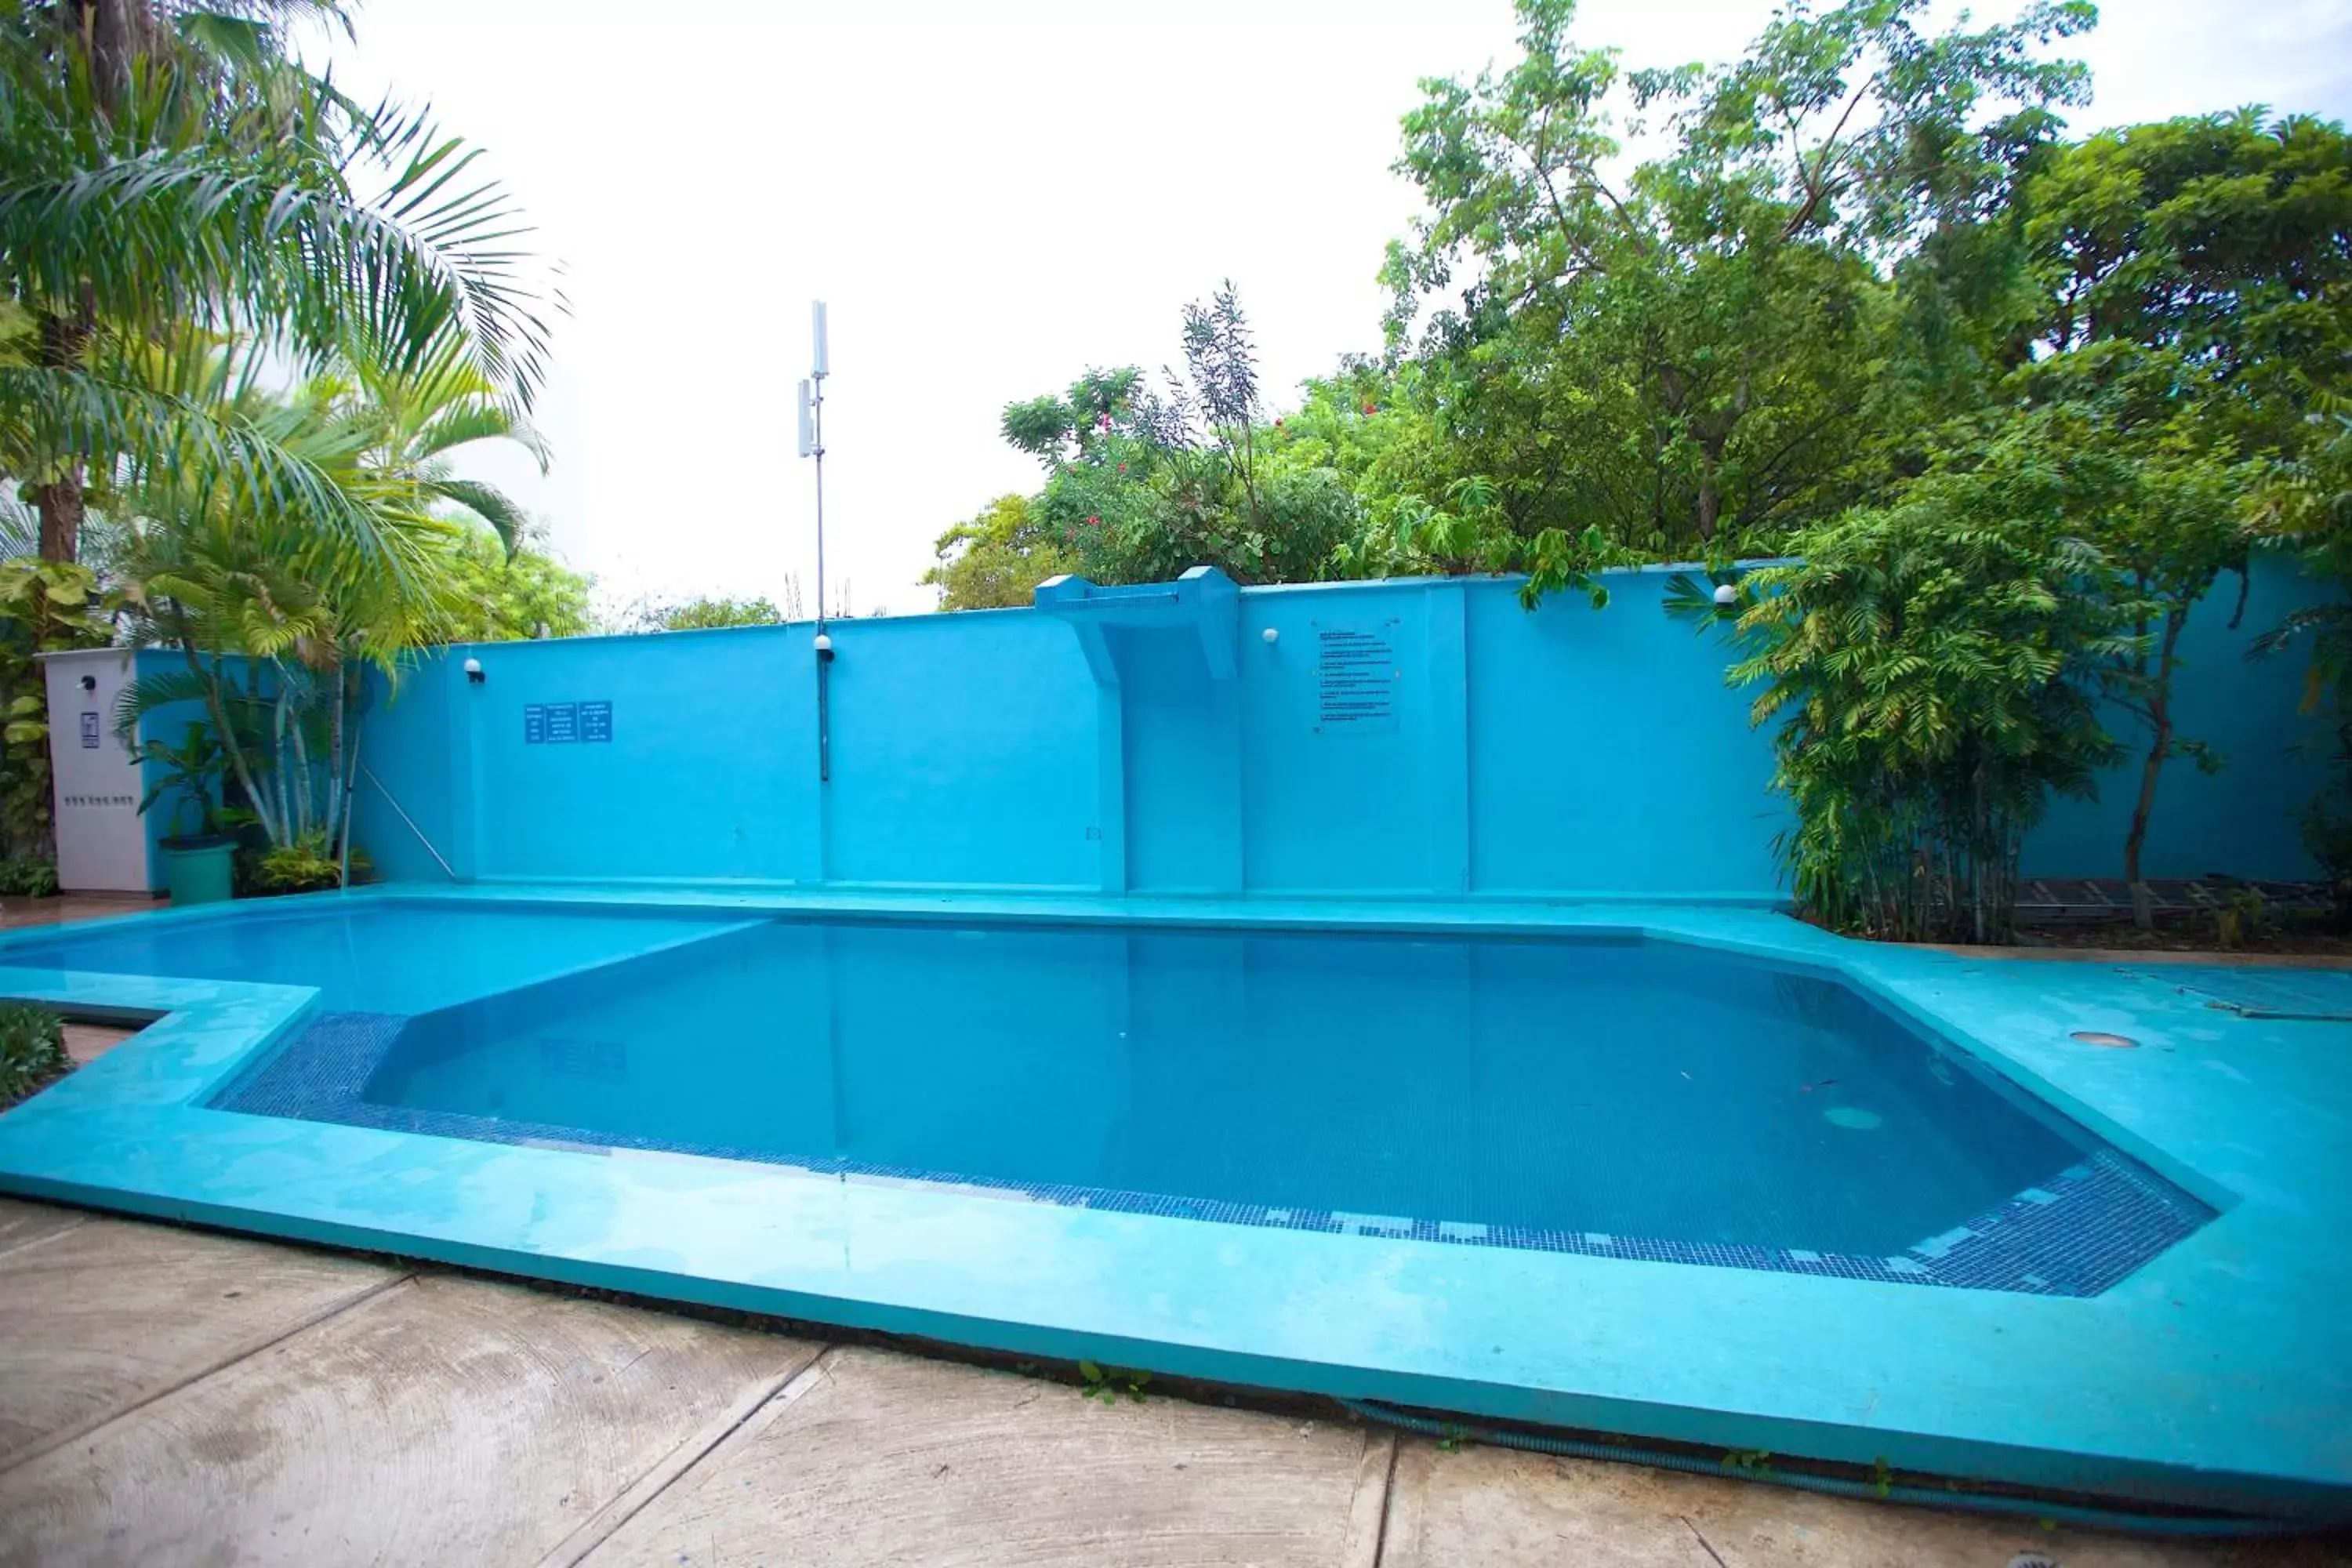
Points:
[[2317, 996]]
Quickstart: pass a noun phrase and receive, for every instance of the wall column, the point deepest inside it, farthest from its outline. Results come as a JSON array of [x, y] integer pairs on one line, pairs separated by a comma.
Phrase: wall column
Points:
[[1446, 757]]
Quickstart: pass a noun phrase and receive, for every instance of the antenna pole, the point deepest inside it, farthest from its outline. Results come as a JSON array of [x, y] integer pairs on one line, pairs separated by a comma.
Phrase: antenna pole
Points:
[[813, 446], [816, 423]]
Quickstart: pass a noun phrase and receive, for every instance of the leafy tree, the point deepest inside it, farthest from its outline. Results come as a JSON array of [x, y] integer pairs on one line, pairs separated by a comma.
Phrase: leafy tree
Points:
[[279, 618], [996, 560], [2224, 237], [1692, 355], [1055, 429], [703, 613], [2305, 503], [2194, 328], [1143, 483], [2161, 499], [169, 181], [497, 596]]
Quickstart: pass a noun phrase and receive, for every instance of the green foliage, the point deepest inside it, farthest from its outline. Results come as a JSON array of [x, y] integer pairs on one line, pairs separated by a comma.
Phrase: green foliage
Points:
[[1145, 483], [2303, 503], [28, 878], [163, 191], [1107, 1382], [1935, 668], [2243, 915], [996, 560], [706, 614], [32, 1050], [309, 866], [1703, 354], [190, 771], [45, 606], [496, 596]]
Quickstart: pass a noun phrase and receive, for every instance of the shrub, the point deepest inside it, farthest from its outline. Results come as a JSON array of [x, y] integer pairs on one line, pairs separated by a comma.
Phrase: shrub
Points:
[[307, 866], [28, 878], [1936, 666], [32, 1050]]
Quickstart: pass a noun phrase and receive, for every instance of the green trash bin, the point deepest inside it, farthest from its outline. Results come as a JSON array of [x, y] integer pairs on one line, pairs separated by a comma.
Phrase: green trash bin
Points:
[[198, 869]]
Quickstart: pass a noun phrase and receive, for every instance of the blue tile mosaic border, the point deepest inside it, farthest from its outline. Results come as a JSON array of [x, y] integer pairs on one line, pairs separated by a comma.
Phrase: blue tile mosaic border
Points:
[[2079, 1233]]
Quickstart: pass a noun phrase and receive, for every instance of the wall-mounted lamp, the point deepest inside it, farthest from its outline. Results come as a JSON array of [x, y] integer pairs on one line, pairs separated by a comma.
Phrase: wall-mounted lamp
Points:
[[824, 646], [1726, 593], [474, 675], [89, 683], [1271, 637]]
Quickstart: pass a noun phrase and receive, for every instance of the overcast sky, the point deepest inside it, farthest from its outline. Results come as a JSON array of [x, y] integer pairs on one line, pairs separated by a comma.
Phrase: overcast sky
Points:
[[991, 198]]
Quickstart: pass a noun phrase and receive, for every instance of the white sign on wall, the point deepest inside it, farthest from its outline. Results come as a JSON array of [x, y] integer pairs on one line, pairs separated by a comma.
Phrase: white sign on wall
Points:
[[102, 837]]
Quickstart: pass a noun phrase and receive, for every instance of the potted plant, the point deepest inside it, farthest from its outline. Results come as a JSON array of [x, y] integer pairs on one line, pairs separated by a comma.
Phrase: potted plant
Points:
[[197, 867]]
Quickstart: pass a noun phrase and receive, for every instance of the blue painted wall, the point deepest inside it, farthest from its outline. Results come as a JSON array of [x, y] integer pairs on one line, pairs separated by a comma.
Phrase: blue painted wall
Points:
[[1462, 746]]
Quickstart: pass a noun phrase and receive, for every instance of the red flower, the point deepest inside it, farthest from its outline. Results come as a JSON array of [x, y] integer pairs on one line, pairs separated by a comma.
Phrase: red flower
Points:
[[1106, 421], [1369, 409], [1122, 467], [1095, 522]]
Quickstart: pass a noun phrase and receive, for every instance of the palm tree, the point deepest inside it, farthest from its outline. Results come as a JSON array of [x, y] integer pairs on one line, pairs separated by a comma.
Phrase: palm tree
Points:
[[418, 418], [171, 180], [281, 622], [277, 619]]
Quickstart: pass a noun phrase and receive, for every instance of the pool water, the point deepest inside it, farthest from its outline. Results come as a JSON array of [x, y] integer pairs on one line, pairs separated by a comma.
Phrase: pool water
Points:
[[377, 956], [1648, 1101]]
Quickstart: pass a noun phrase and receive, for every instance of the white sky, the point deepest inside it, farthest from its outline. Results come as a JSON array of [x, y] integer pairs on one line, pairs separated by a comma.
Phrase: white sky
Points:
[[991, 198]]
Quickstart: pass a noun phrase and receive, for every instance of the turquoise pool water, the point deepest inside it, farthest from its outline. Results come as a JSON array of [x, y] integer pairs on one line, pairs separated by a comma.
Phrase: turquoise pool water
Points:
[[1629, 1089], [378, 955], [1628, 1098]]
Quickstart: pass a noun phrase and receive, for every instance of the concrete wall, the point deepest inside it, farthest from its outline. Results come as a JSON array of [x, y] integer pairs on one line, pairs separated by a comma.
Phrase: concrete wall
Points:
[[1474, 748]]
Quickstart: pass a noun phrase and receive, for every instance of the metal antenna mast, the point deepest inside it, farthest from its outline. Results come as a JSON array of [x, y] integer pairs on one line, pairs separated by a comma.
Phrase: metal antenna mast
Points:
[[812, 400]]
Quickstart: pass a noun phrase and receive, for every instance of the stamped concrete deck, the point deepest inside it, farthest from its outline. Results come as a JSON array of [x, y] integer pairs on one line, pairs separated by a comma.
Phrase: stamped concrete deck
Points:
[[170, 1395]]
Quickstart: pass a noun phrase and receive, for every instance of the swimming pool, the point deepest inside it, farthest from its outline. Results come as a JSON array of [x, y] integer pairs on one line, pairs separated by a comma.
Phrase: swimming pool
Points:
[[1668, 1171], [1619, 1098]]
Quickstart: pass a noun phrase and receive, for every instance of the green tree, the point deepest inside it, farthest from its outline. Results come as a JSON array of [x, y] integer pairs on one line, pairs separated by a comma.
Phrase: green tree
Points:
[[1143, 483], [2193, 329], [498, 596], [708, 613], [1693, 356], [1935, 668], [170, 181], [996, 560], [279, 616]]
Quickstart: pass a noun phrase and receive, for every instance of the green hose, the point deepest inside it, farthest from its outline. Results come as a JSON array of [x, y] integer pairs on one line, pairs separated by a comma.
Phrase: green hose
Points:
[[1928, 1497]]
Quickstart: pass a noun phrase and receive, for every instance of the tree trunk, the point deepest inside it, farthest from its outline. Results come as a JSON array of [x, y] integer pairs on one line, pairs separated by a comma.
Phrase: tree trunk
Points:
[[58, 499], [59, 504], [218, 709], [2159, 718], [1710, 498], [118, 31]]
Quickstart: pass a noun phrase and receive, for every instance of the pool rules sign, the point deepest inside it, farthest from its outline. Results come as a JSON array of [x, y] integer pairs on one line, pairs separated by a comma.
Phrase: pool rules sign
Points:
[[561, 723]]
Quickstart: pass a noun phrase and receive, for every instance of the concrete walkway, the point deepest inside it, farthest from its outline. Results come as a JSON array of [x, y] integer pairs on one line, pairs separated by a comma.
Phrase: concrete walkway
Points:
[[175, 1397]]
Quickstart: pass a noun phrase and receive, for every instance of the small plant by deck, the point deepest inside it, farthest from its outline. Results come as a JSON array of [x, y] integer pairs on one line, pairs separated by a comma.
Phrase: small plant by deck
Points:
[[32, 1050], [1107, 1382]]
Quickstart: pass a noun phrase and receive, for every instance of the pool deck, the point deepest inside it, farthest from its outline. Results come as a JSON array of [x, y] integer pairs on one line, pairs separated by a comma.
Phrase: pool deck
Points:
[[2218, 1375], [172, 1395]]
